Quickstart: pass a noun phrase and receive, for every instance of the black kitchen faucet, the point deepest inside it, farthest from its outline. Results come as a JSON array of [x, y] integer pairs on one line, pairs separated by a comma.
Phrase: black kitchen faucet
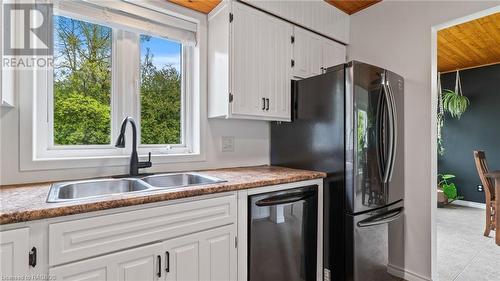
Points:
[[135, 165]]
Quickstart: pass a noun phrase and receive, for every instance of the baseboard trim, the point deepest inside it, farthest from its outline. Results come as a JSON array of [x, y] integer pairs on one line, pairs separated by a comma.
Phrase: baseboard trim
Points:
[[469, 204], [405, 274]]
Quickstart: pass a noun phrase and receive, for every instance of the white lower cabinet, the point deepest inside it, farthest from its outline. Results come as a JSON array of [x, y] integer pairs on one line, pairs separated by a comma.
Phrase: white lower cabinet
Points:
[[208, 255], [194, 239], [14, 250], [142, 263], [179, 241]]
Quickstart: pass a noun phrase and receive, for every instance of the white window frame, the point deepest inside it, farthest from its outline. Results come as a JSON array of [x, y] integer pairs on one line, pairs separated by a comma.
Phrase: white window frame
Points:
[[186, 125], [35, 150]]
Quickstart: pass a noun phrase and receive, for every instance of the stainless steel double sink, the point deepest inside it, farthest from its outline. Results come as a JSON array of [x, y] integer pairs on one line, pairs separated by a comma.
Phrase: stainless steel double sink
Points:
[[86, 189]]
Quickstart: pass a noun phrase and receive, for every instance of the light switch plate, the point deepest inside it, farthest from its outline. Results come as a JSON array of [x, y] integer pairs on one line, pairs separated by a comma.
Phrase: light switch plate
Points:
[[227, 144]]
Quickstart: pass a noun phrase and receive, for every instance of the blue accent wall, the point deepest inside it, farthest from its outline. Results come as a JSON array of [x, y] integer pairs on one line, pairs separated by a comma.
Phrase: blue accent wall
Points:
[[478, 129]]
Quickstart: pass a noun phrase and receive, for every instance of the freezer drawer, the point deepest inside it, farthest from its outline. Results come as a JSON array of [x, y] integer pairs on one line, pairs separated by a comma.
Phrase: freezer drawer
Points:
[[367, 238]]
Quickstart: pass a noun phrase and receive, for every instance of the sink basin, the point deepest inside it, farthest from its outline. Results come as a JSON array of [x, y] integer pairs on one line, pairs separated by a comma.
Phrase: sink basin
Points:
[[180, 180], [79, 190]]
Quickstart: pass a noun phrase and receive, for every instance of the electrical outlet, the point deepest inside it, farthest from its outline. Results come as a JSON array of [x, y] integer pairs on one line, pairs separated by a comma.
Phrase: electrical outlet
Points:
[[227, 144], [480, 188]]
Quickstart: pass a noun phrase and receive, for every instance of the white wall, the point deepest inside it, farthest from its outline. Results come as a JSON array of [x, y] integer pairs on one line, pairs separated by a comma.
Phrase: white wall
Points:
[[251, 148], [397, 35]]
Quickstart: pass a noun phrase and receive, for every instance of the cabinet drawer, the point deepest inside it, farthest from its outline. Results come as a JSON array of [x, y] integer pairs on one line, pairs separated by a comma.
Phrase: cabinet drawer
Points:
[[79, 239]]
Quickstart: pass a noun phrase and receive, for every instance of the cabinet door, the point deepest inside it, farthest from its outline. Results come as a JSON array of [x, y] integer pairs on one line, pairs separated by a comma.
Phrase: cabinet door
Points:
[[142, 263], [261, 64], [333, 53], [208, 256], [14, 250], [306, 53]]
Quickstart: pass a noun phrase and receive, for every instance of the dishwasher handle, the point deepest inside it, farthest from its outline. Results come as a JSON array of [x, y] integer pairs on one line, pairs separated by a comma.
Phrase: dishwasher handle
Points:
[[285, 198]]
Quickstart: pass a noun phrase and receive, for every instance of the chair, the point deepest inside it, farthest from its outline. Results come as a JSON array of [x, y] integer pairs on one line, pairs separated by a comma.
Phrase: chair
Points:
[[489, 191]]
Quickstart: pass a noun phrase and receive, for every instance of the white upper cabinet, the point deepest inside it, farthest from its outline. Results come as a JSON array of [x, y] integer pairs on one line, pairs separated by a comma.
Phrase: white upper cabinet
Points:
[[313, 53], [14, 250], [306, 53], [332, 53], [315, 15], [249, 72]]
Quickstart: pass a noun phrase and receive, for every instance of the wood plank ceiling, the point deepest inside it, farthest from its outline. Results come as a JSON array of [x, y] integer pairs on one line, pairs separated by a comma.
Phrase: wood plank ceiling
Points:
[[352, 6], [471, 44], [348, 6], [203, 6]]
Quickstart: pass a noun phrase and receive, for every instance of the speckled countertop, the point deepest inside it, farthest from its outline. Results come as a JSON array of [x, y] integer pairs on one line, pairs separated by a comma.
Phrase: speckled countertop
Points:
[[20, 203]]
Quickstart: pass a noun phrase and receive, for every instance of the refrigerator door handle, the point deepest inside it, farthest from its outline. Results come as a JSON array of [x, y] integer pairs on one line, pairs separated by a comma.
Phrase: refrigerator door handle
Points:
[[379, 131], [394, 128], [387, 217], [391, 131]]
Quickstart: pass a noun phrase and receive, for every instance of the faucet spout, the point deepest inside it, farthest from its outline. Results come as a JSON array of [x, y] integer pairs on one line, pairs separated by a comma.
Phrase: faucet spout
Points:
[[120, 143]]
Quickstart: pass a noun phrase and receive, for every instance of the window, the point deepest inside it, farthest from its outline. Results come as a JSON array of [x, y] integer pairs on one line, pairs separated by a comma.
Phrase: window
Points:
[[110, 63], [82, 83], [161, 91]]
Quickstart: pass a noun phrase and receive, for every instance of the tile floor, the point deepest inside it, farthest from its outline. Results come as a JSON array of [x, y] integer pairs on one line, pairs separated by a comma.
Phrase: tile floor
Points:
[[464, 254]]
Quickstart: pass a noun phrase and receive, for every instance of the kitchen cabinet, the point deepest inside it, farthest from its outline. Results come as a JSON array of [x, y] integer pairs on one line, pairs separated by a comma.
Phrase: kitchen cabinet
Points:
[[307, 53], [313, 53], [209, 255], [333, 53], [88, 237], [142, 263], [14, 250], [196, 238], [319, 16], [249, 56]]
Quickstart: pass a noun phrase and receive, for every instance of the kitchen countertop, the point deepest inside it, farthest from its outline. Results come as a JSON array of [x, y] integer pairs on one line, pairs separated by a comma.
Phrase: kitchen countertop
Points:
[[27, 202]]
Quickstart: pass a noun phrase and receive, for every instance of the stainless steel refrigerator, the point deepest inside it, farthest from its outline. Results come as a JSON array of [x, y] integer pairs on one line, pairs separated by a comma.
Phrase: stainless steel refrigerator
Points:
[[348, 122]]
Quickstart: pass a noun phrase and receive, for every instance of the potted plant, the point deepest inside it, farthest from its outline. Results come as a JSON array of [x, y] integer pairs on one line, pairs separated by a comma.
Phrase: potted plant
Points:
[[453, 102], [447, 190]]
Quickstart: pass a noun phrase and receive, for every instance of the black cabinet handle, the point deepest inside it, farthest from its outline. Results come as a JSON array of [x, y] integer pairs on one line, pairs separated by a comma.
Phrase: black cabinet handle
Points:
[[159, 266], [267, 106], [32, 257], [263, 103], [167, 266]]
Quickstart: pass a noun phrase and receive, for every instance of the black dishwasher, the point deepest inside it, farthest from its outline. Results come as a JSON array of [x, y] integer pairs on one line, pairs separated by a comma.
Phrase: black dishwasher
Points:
[[282, 227]]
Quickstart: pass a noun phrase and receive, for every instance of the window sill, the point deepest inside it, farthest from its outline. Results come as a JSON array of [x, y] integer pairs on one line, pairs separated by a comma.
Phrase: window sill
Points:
[[28, 164]]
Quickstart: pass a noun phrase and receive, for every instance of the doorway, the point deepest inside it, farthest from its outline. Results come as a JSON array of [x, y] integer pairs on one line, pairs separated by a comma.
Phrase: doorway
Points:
[[465, 100]]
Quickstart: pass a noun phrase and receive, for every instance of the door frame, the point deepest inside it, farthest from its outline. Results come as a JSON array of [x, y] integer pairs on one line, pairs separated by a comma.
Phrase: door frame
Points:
[[434, 105]]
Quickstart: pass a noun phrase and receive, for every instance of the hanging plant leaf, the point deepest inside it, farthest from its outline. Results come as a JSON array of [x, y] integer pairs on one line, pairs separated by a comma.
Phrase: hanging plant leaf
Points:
[[454, 103]]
